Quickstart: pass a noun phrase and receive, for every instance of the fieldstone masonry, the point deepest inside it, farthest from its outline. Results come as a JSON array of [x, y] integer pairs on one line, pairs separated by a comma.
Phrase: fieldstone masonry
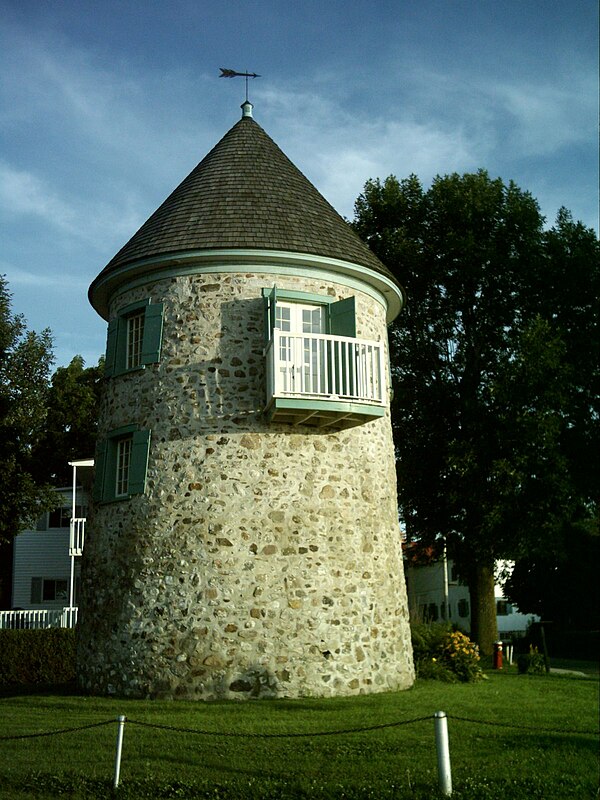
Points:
[[263, 559]]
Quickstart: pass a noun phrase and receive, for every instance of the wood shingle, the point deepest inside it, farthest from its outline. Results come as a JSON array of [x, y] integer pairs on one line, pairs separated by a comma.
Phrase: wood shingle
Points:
[[246, 193]]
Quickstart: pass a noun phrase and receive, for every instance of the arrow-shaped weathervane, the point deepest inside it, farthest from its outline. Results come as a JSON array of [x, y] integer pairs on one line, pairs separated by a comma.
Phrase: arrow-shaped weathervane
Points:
[[231, 73]]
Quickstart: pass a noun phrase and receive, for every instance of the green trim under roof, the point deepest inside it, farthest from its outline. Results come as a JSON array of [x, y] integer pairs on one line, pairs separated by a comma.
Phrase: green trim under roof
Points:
[[269, 262]]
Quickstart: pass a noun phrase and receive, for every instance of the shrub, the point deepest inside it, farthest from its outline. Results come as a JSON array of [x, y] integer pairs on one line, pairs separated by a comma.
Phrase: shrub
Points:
[[442, 653], [37, 656], [532, 662], [463, 655]]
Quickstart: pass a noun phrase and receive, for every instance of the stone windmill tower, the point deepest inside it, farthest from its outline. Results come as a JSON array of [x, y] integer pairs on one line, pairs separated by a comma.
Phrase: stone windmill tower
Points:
[[245, 537]]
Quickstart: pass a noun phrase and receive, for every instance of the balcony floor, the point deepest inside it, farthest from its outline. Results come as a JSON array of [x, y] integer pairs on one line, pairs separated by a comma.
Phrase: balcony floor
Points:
[[332, 414]]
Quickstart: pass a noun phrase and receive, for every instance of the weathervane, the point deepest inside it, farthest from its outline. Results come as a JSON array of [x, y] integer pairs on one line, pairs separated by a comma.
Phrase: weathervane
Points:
[[231, 73]]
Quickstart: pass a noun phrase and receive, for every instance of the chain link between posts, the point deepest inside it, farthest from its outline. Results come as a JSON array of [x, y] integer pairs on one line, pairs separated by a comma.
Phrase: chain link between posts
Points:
[[289, 735]]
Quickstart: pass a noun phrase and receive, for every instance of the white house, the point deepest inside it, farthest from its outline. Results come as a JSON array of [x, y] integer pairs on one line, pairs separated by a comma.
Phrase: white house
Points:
[[435, 593], [46, 561]]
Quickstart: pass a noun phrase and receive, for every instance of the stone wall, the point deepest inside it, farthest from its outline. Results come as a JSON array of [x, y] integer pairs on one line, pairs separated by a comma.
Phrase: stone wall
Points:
[[263, 559]]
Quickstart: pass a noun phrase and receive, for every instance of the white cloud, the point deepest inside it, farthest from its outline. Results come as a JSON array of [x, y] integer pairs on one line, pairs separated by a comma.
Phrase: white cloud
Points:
[[17, 276], [22, 192], [340, 149], [547, 118], [82, 217]]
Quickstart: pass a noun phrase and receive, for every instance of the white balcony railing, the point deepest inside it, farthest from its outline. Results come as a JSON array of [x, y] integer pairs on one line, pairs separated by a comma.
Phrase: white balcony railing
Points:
[[325, 367], [35, 619], [76, 536]]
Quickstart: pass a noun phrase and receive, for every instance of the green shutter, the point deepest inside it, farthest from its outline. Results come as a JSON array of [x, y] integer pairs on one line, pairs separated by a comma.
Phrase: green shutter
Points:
[[139, 462], [121, 346], [153, 322], [342, 318], [270, 301], [99, 472], [42, 523], [36, 590], [111, 347]]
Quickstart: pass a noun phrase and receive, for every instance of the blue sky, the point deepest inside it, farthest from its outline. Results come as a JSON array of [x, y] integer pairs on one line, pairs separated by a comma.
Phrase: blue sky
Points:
[[105, 106]]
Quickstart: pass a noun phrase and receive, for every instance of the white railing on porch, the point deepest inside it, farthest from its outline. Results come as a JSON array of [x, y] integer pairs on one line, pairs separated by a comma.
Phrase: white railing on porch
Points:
[[76, 536], [316, 365], [35, 619]]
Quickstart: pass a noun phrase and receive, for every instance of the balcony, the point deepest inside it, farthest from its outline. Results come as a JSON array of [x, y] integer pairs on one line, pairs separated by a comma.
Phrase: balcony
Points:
[[76, 536], [324, 381]]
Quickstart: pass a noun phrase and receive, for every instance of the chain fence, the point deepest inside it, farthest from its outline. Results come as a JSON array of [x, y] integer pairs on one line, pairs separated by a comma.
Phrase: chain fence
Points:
[[441, 736], [303, 734]]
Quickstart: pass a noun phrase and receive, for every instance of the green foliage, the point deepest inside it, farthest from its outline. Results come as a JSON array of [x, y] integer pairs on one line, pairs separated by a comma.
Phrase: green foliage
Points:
[[37, 657], [532, 662], [561, 584], [443, 654], [569, 644], [71, 424], [495, 367], [25, 359]]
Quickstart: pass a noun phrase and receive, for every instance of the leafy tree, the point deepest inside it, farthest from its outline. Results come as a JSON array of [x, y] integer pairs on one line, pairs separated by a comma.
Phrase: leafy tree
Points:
[[71, 422], [25, 359], [569, 293], [481, 369], [561, 585], [557, 579]]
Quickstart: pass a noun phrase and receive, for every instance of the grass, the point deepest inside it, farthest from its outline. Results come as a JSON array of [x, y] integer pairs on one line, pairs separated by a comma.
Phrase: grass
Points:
[[531, 752]]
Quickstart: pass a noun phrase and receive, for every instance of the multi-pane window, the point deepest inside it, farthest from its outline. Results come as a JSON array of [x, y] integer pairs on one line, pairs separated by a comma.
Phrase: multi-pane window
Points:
[[283, 316], [59, 517], [123, 466], [135, 338], [48, 590], [301, 358], [313, 320]]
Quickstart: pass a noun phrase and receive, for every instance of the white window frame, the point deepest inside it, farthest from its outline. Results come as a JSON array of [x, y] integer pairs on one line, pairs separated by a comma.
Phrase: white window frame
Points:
[[41, 585], [135, 338], [124, 451]]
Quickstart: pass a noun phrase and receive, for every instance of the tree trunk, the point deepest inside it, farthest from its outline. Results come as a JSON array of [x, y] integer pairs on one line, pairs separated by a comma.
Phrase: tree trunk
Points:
[[484, 625]]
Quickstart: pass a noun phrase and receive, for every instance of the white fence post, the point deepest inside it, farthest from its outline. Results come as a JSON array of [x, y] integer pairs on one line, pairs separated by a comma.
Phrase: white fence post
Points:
[[443, 753], [120, 732]]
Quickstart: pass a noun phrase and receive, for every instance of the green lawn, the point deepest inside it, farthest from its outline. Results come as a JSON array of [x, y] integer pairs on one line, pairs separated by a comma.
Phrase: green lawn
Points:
[[529, 753]]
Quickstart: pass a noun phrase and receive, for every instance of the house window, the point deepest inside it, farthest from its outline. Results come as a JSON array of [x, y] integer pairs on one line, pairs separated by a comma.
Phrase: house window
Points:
[[134, 338], [301, 359], [463, 608], [49, 590], [135, 334], [124, 446], [121, 464], [503, 608], [303, 312], [59, 517]]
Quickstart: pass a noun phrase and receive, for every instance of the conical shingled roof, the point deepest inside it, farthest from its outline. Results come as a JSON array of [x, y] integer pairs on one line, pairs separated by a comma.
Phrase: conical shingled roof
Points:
[[246, 193]]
